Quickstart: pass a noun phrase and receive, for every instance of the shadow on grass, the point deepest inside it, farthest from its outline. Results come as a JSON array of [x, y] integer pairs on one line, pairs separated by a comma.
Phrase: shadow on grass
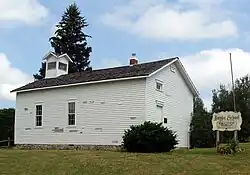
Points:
[[207, 151], [181, 151], [6, 147]]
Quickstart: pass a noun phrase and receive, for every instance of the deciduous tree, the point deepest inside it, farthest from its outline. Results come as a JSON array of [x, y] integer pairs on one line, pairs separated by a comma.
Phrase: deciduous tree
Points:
[[7, 118]]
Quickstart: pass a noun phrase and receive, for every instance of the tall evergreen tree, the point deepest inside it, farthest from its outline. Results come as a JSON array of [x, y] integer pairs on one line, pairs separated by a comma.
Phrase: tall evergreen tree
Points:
[[201, 134], [69, 38]]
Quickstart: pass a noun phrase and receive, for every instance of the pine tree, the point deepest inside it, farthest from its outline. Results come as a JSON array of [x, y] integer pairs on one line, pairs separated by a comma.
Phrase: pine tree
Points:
[[41, 74], [69, 38], [201, 134]]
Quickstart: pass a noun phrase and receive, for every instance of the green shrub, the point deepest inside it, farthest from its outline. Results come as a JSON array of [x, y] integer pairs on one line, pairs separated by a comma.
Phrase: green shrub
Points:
[[225, 150], [232, 147], [148, 138]]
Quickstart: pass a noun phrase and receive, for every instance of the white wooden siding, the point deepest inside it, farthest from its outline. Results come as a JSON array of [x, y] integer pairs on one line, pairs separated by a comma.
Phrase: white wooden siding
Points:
[[55, 72], [52, 72], [103, 112], [177, 101]]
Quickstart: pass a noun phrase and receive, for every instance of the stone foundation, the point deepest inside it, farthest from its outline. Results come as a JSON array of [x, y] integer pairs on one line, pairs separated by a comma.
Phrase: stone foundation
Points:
[[69, 147]]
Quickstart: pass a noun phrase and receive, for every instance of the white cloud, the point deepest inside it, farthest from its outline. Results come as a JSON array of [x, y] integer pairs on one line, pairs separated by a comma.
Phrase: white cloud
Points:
[[159, 20], [27, 11], [10, 78], [210, 68]]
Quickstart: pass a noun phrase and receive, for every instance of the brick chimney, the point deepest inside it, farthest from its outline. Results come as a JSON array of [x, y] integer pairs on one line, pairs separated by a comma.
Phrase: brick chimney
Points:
[[133, 60]]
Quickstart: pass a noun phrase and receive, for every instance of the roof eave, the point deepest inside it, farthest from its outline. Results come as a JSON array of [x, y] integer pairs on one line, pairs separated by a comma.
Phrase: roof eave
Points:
[[66, 55], [77, 84], [186, 76], [48, 54], [163, 67], [190, 82], [53, 54]]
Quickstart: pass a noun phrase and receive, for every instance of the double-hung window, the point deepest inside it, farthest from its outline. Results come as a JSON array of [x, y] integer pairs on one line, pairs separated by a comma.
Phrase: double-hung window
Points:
[[39, 115], [71, 113]]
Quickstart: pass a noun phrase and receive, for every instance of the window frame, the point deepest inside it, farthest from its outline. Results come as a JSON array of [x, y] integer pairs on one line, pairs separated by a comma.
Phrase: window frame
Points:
[[161, 104], [66, 66], [51, 68], [38, 115], [70, 113], [161, 85]]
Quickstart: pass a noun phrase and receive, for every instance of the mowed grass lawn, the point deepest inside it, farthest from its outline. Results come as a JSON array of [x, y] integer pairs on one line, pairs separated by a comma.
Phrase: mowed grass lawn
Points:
[[62, 162]]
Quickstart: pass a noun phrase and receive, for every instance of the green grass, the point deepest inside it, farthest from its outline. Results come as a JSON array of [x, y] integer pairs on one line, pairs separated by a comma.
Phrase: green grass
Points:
[[178, 162]]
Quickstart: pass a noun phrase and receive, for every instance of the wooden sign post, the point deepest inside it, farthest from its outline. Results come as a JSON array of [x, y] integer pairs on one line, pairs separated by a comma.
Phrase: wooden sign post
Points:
[[217, 138]]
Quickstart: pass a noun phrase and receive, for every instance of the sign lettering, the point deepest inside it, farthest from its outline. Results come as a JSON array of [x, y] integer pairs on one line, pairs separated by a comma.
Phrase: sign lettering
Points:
[[227, 121]]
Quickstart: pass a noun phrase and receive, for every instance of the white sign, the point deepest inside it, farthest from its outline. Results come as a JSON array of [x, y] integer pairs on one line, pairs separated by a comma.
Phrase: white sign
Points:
[[226, 121]]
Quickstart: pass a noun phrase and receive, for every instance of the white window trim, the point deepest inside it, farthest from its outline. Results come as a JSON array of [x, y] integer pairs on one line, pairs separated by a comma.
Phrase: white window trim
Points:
[[161, 104], [160, 82], [70, 101], [38, 104]]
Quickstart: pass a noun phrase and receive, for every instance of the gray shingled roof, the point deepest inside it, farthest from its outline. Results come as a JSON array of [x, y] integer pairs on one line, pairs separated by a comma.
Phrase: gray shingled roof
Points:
[[143, 69]]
